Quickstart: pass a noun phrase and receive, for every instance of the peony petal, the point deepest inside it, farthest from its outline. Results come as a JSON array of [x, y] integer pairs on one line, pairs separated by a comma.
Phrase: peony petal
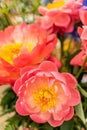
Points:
[[48, 66], [70, 27], [60, 114], [2, 38], [40, 117], [37, 54], [21, 107], [22, 60], [55, 60], [8, 34], [70, 114], [42, 10], [83, 16], [18, 34], [58, 76], [75, 97], [55, 123], [47, 22], [62, 20], [17, 86], [26, 69], [71, 81], [79, 30], [35, 35], [84, 33], [24, 109], [78, 59]]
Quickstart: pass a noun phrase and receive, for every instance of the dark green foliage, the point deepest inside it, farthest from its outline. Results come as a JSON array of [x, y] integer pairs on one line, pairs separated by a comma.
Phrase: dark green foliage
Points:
[[16, 121], [67, 125], [8, 99]]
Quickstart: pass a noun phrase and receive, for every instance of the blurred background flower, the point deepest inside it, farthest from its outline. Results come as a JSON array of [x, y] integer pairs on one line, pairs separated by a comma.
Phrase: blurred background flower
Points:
[[84, 2], [47, 1]]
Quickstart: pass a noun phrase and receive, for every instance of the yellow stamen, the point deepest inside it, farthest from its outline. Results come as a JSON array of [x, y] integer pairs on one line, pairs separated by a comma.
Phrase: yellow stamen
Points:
[[30, 46], [45, 98], [58, 4], [10, 51]]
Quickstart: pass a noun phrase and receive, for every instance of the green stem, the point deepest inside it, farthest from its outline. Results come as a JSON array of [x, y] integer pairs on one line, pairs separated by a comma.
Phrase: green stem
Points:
[[83, 92], [62, 43], [70, 41], [8, 19], [80, 113], [81, 69]]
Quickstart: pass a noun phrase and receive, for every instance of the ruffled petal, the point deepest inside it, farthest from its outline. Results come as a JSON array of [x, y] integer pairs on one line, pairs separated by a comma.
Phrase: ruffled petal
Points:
[[78, 59], [55, 123], [21, 107], [40, 117], [75, 97], [70, 114], [71, 81], [48, 66]]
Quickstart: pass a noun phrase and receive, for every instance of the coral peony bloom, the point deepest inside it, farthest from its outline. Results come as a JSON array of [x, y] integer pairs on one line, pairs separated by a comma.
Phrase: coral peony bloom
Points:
[[79, 59], [60, 15], [46, 95], [8, 73], [23, 45], [55, 60], [83, 13]]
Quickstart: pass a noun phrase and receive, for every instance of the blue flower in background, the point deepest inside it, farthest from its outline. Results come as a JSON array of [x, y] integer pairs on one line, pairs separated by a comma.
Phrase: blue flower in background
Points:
[[84, 2], [47, 1], [74, 34]]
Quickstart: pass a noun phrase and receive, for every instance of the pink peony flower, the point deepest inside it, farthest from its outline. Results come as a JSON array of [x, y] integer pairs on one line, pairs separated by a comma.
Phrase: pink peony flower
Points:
[[55, 60], [83, 15], [46, 95], [79, 59], [8, 73], [60, 15], [23, 45]]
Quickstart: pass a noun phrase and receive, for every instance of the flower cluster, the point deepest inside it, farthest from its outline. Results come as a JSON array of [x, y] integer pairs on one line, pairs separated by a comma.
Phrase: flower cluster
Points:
[[30, 61]]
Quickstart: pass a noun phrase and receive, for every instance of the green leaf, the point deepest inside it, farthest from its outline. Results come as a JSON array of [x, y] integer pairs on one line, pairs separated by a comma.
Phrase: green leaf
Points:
[[9, 127], [14, 122], [83, 92], [35, 2], [67, 125], [46, 127], [80, 112], [8, 99], [34, 125]]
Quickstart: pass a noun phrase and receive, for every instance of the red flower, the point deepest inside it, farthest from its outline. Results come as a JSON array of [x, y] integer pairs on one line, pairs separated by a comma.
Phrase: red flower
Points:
[[46, 95], [23, 45]]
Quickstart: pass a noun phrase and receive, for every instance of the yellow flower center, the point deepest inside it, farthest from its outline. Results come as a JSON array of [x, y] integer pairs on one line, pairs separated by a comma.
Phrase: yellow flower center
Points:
[[58, 4], [30, 46], [45, 98], [10, 51]]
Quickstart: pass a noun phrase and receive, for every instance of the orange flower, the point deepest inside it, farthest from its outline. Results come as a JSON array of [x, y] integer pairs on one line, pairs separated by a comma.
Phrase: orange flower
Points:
[[21, 46], [46, 95]]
